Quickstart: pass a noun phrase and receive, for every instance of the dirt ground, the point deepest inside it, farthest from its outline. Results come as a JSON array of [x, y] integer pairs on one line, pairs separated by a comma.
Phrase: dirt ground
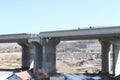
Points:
[[10, 60], [13, 60]]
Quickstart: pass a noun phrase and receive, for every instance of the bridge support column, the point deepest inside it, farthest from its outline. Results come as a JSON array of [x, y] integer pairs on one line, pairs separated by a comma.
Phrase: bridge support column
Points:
[[116, 57], [49, 55], [105, 52], [27, 55], [37, 57]]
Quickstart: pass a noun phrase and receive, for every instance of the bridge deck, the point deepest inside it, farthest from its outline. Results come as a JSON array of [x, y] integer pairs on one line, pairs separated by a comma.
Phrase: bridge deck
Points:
[[8, 38], [91, 33]]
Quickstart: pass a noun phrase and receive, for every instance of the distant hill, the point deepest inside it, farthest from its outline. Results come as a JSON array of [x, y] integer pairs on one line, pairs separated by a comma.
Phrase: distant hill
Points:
[[81, 46]]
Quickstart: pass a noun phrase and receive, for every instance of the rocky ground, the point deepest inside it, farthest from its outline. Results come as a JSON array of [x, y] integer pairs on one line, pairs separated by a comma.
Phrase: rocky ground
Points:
[[77, 63]]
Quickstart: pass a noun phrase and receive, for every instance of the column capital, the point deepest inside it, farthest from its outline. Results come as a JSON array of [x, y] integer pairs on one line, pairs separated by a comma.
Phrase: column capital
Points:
[[113, 40], [34, 40], [109, 40], [105, 41], [49, 41], [25, 44]]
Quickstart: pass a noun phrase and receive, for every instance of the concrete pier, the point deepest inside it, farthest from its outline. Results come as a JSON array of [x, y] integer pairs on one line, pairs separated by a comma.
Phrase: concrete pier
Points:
[[105, 52], [38, 54], [38, 57], [116, 57], [49, 54], [27, 55]]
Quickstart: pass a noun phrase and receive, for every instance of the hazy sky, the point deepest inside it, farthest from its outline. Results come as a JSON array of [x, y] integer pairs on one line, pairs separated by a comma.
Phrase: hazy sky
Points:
[[34, 16]]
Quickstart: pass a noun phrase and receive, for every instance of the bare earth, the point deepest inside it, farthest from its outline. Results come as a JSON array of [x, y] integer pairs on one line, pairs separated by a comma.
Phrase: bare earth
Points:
[[10, 60], [13, 60], [69, 65]]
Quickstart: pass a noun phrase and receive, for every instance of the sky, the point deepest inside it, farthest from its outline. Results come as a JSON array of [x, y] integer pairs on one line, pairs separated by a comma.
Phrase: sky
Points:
[[34, 16]]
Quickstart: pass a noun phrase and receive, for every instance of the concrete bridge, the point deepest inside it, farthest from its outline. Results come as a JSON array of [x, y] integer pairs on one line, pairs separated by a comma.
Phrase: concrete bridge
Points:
[[42, 47]]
